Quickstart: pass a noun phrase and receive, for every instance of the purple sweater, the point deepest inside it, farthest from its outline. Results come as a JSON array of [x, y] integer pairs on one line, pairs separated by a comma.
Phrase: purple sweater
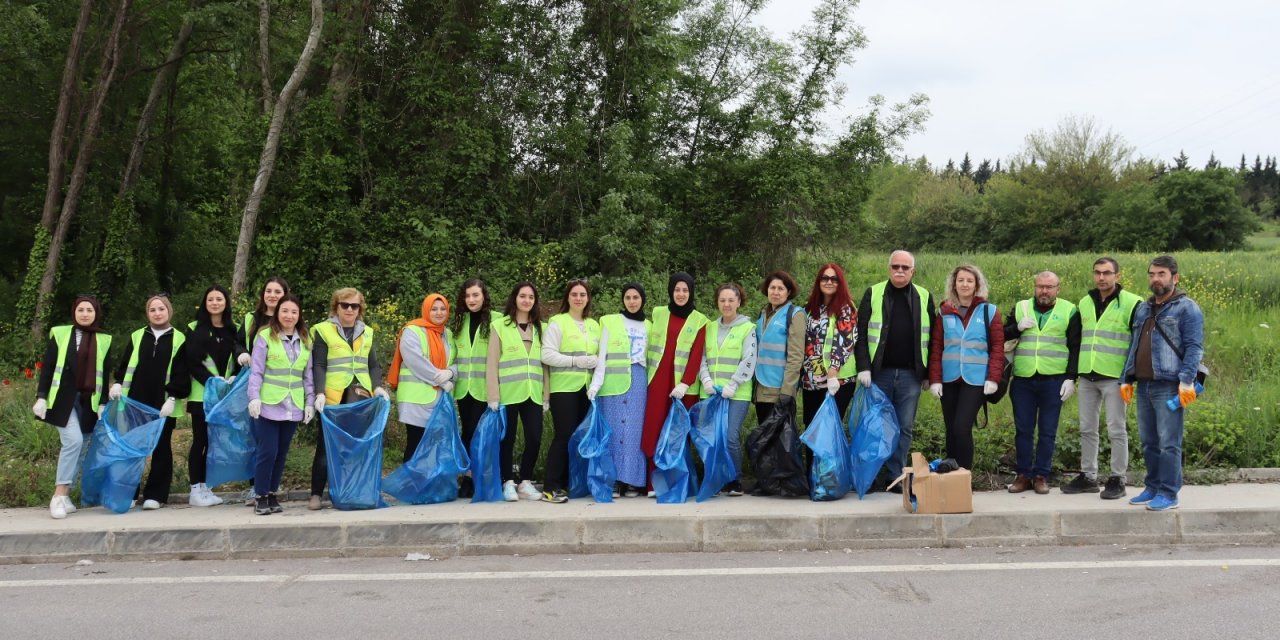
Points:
[[285, 411]]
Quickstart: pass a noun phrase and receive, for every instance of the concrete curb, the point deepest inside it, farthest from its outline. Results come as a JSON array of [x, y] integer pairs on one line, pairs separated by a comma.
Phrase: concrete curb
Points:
[[607, 534]]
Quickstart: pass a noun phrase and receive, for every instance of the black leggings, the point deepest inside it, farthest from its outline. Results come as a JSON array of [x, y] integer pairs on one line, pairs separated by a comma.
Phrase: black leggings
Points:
[[568, 410], [160, 477], [196, 456], [469, 411], [530, 415], [960, 405]]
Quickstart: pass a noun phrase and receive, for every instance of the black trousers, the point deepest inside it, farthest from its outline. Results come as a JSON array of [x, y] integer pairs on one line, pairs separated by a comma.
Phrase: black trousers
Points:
[[160, 477], [199, 451], [568, 410], [469, 412], [960, 405], [529, 414], [320, 464], [813, 400]]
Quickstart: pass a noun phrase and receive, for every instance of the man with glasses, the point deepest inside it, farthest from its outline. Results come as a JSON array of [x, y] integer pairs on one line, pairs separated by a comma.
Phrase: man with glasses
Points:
[[1044, 372], [892, 349], [1106, 315]]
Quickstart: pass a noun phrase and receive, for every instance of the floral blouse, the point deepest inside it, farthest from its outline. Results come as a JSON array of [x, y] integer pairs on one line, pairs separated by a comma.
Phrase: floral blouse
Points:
[[813, 375]]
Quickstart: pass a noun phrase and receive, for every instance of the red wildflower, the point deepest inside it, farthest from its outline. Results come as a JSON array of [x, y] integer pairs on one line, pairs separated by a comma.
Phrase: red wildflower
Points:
[[27, 371], [39, 365]]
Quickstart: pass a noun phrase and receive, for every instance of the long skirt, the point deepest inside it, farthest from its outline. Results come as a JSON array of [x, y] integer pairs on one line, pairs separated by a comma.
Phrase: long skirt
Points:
[[625, 414]]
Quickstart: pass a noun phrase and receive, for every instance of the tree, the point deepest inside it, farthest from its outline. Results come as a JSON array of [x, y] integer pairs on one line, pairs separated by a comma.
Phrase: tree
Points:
[[1205, 209], [1182, 162], [966, 166], [1078, 141]]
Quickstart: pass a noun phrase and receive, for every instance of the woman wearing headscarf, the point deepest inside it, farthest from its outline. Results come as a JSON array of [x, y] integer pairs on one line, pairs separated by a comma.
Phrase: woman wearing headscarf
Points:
[[213, 348], [618, 385], [676, 342], [72, 391], [421, 368]]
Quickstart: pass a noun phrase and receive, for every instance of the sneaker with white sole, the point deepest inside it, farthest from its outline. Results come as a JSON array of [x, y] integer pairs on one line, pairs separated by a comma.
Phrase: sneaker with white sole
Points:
[[213, 497], [68, 504], [56, 509], [199, 497], [150, 505], [509, 491], [527, 491], [555, 497]]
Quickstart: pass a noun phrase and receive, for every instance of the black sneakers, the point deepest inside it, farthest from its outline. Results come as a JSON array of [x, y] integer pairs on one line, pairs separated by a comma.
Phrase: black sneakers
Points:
[[273, 504], [1081, 484], [1114, 488], [261, 506]]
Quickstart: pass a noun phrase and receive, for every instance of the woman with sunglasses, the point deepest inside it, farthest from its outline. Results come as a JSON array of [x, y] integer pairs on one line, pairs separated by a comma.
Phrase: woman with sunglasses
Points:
[[344, 368], [153, 371], [72, 391], [470, 344], [281, 394], [831, 330], [569, 350], [676, 342], [517, 381], [212, 349]]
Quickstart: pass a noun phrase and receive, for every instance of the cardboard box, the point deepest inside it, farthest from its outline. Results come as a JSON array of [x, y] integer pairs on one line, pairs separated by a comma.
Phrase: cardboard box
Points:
[[924, 491]]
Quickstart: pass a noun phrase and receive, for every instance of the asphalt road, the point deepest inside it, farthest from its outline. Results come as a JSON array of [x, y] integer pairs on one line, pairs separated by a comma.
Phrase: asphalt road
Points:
[[1054, 592]]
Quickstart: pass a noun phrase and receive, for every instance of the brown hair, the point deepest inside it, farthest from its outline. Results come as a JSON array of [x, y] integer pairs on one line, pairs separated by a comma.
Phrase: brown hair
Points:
[[734, 287], [787, 281]]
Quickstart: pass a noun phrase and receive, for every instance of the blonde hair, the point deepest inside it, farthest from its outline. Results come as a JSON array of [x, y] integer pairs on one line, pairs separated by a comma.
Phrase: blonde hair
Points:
[[980, 291], [164, 299], [344, 293]]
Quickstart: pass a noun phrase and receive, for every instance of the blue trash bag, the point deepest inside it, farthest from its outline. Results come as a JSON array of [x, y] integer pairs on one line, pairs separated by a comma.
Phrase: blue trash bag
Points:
[[831, 475], [353, 452], [232, 449], [874, 426], [710, 435], [123, 438], [430, 475], [675, 478], [594, 449], [579, 487], [486, 472]]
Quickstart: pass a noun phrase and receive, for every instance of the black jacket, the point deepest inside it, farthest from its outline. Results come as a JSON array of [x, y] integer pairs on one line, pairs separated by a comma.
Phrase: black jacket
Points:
[[861, 348], [149, 385], [58, 414]]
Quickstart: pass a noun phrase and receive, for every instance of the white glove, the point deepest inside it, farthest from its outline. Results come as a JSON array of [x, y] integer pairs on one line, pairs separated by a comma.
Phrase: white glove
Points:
[[382, 393], [679, 391], [448, 387], [308, 413], [591, 393], [41, 408], [1068, 388], [729, 390], [230, 379], [936, 390], [493, 405], [115, 392], [255, 409], [584, 362], [243, 359], [442, 376], [864, 378], [833, 385], [989, 388], [166, 409], [1027, 322], [319, 401], [708, 384], [102, 411]]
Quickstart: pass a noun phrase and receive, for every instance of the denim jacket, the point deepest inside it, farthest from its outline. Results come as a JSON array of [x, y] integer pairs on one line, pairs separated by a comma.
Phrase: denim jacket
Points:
[[1181, 320]]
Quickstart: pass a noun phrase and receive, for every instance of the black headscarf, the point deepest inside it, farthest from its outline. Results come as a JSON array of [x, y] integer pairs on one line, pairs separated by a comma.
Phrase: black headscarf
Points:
[[639, 315], [87, 353], [680, 310]]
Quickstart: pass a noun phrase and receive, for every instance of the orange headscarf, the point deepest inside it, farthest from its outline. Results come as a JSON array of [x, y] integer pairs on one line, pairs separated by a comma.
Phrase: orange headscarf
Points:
[[435, 339]]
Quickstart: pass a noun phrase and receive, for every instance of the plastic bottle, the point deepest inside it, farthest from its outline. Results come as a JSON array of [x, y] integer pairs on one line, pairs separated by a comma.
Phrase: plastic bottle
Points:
[[1175, 404]]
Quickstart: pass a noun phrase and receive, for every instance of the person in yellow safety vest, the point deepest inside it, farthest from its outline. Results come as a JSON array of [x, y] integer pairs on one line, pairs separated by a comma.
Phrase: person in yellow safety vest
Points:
[[344, 368], [72, 391], [423, 369], [569, 350], [831, 330], [677, 338], [281, 394], [273, 290], [1044, 371], [1106, 314], [619, 385], [153, 371], [892, 351], [516, 380], [470, 333], [729, 366], [213, 349]]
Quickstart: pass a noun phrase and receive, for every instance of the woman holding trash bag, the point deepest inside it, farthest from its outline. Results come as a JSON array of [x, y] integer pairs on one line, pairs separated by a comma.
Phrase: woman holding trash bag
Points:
[[470, 332], [421, 368], [677, 339], [344, 368], [780, 335], [273, 291], [729, 366], [281, 393], [516, 379], [153, 371], [212, 349], [619, 386], [72, 391], [967, 359], [569, 349], [830, 333]]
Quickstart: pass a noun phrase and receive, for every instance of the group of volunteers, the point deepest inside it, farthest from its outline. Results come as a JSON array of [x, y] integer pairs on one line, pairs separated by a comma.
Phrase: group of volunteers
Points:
[[632, 366]]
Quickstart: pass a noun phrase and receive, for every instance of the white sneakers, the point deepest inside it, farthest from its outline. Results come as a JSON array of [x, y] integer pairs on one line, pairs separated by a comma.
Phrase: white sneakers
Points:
[[508, 492], [528, 491], [150, 505], [56, 508], [202, 496], [68, 504]]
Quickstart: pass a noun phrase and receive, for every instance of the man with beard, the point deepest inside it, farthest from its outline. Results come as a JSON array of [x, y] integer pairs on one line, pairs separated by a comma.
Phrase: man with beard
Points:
[[1164, 360], [1044, 372]]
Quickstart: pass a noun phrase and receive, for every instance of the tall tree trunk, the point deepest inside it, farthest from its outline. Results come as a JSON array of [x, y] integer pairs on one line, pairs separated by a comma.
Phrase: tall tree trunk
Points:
[[264, 55], [102, 85], [58, 143], [267, 162], [158, 88]]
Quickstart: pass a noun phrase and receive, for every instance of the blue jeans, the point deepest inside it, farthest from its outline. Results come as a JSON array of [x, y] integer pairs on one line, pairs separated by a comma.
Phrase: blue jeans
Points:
[[903, 389], [1160, 431], [737, 413], [1036, 402], [273, 438]]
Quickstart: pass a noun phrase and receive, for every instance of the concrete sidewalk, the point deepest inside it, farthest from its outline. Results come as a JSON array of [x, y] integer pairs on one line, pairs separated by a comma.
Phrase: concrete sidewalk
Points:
[[1217, 514]]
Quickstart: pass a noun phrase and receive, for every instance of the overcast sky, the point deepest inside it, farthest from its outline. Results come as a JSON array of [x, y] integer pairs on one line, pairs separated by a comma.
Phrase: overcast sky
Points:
[[1201, 76]]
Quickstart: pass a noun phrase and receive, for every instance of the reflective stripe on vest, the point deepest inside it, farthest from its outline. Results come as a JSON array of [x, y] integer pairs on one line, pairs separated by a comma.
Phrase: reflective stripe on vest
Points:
[[471, 358], [519, 371], [1104, 342], [964, 348], [1043, 350], [136, 340], [411, 389], [574, 343], [684, 343], [771, 355], [62, 338], [723, 360], [876, 322], [617, 355], [197, 389], [282, 378], [345, 362]]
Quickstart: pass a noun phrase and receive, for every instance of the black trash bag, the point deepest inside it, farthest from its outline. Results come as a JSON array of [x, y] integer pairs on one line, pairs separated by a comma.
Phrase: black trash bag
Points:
[[774, 451]]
